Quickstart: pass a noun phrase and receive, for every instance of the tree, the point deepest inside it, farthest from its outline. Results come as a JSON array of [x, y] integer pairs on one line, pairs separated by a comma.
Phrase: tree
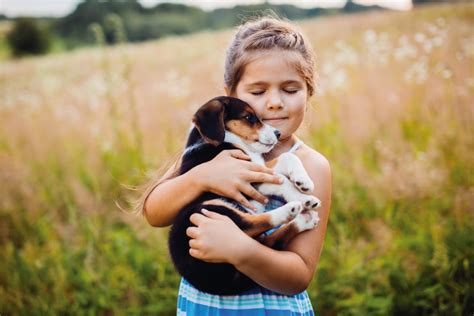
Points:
[[27, 37]]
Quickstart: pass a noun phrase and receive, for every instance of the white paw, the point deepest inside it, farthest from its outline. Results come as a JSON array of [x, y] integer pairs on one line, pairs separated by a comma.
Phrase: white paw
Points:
[[310, 202], [286, 213], [306, 220], [302, 181], [294, 208]]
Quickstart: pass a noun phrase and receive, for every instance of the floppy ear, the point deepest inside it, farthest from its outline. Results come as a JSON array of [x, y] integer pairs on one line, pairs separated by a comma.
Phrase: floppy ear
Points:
[[209, 121]]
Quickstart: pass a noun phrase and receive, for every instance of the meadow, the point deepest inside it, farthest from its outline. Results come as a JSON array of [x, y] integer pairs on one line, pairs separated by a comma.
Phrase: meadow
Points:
[[393, 114]]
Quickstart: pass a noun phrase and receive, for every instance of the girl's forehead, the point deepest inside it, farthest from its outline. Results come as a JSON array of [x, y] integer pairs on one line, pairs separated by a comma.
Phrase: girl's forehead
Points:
[[272, 66]]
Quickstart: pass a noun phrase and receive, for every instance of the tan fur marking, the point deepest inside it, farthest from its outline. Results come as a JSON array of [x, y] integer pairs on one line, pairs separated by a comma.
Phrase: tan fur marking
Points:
[[242, 129], [258, 223], [283, 234], [272, 163]]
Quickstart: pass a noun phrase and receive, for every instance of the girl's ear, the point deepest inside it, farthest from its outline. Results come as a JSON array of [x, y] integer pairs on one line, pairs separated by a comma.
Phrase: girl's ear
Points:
[[209, 121]]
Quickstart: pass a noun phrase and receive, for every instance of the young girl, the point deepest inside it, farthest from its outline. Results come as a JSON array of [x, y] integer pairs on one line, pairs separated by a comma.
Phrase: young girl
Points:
[[270, 66]]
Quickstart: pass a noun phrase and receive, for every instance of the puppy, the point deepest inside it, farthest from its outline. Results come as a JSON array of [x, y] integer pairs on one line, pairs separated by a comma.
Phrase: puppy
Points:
[[229, 123]]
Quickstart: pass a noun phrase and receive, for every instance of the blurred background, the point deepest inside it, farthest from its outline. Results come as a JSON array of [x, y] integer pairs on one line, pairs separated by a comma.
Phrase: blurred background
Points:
[[97, 96]]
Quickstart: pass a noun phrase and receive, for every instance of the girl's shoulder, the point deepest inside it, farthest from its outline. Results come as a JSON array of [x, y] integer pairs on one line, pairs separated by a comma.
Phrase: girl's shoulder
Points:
[[312, 159]]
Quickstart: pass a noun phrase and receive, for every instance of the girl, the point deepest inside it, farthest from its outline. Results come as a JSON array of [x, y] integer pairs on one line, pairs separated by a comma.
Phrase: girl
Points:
[[269, 65]]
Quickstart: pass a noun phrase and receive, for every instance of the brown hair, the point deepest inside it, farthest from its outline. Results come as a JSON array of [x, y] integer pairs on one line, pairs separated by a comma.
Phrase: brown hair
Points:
[[264, 34]]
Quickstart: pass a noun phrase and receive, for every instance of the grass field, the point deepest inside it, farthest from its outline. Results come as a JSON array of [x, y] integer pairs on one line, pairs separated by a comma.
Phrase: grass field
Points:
[[394, 115]]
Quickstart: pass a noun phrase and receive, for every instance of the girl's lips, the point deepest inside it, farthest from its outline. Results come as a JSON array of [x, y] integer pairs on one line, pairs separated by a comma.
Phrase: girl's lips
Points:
[[275, 120]]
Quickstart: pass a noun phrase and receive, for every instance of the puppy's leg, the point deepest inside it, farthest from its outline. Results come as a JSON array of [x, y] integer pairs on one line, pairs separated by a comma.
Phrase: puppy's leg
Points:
[[262, 222], [291, 166], [282, 236], [288, 191], [255, 225]]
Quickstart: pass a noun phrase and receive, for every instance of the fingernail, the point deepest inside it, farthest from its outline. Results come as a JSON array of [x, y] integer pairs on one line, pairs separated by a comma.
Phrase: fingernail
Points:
[[265, 201]]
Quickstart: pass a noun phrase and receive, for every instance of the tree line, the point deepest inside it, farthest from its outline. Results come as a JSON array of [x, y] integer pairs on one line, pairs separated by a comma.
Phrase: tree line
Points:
[[115, 21]]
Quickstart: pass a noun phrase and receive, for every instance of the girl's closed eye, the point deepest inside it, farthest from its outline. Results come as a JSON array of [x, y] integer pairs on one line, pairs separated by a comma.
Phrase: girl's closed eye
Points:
[[291, 91], [261, 92]]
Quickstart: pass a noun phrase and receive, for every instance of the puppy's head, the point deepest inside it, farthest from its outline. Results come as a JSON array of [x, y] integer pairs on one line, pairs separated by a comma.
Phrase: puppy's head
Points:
[[235, 117]]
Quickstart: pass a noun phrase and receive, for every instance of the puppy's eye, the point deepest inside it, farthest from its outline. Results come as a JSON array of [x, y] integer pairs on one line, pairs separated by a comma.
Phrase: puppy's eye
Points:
[[251, 118]]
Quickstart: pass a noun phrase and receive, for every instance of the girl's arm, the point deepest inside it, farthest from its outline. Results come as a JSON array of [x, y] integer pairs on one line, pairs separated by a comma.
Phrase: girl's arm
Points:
[[290, 271], [229, 174]]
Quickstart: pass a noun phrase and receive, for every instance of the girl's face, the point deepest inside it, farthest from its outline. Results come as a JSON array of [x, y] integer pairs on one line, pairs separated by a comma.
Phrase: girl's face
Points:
[[275, 90]]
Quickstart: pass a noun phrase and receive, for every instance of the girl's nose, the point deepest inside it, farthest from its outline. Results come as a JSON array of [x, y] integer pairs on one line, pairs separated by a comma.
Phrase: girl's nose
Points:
[[274, 102]]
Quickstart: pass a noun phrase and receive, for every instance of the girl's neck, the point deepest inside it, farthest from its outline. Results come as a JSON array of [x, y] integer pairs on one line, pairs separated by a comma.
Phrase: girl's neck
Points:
[[281, 147]]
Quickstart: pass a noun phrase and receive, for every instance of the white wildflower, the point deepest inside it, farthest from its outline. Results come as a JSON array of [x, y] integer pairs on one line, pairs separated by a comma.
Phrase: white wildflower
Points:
[[417, 72], [420, 37], [446, 73], [370, 36], [427, 47], [405, 49]]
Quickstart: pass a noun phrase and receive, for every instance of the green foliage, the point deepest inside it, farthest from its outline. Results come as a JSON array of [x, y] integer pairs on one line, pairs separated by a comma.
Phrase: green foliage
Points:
[[128, 21], [28, 38], [142, 24], [114, 29]]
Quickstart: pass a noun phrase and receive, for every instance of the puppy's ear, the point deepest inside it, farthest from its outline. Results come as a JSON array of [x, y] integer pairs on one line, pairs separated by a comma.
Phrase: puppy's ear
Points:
[[209, 121]]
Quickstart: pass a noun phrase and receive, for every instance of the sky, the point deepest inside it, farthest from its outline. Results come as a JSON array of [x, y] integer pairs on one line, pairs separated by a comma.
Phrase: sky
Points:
[[59, 8]]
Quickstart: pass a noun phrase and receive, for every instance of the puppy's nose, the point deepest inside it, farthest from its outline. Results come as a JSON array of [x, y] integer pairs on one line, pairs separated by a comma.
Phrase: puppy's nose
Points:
[[277, 134]]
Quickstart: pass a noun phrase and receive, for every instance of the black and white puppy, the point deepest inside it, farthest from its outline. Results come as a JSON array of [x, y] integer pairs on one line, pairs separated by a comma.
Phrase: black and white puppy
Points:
[[229, 123]]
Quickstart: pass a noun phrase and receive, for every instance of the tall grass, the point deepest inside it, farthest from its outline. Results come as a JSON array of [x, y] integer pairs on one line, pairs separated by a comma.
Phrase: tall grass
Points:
[[394, 116]]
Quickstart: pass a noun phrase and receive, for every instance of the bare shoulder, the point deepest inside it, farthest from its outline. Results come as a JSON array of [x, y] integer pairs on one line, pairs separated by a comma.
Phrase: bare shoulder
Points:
[[314, 161]]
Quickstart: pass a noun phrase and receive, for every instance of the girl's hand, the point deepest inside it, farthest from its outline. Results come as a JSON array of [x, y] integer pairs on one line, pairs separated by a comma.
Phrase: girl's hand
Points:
[[216, 238], [231, 173]]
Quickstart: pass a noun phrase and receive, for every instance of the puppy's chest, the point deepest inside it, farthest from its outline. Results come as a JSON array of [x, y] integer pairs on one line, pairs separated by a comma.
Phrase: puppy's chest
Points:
[[256, 158]]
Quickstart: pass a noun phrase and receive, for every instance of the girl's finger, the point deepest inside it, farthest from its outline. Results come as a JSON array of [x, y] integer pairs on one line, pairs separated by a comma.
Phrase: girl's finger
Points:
[[197, 218], [258, 168], [239, 154], [192, 232], [243, 201], [195, 253], [261, 177], [211, 214], [193, 243], [254, 194]]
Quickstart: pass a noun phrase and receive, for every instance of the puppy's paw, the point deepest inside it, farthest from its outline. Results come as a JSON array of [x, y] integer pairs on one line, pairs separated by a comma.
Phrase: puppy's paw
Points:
[[302, 181], [295, 208], [310, 202], [306, 220], [286, 213]]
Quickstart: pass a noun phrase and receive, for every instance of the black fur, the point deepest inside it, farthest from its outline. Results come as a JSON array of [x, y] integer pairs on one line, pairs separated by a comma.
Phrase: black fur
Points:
[[215, 278]]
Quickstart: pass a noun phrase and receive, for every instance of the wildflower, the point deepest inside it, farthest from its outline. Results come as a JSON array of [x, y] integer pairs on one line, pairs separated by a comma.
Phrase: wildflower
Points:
[[370, 37], [420, 37]]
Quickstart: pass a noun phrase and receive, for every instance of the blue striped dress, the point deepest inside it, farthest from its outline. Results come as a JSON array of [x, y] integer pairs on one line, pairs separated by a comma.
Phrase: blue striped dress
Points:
[[258, 301]]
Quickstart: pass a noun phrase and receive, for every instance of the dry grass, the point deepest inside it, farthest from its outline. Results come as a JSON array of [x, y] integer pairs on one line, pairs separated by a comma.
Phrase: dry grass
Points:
[[393, 115]]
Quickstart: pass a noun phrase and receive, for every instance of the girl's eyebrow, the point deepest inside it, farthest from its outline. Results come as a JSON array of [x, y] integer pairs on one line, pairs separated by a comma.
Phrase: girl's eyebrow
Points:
[[263, 83]]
